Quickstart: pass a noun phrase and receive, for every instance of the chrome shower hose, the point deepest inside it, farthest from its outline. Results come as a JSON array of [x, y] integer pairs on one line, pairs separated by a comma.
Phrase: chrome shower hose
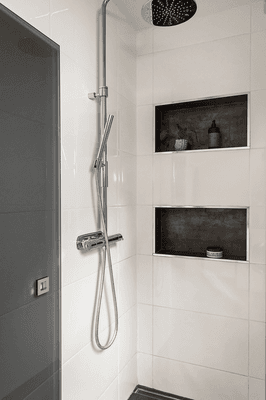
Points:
[[100, 292]]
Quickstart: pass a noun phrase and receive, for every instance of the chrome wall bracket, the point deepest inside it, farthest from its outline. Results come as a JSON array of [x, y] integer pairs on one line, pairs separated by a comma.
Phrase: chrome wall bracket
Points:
[[103, 92], [96, 240]]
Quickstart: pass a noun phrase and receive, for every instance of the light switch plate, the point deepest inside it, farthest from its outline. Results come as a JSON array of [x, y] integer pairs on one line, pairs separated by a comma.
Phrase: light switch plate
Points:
[[42, 286]]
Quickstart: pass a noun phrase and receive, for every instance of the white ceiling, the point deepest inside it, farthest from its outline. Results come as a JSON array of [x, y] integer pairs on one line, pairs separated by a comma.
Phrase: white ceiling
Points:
[[132, 9]]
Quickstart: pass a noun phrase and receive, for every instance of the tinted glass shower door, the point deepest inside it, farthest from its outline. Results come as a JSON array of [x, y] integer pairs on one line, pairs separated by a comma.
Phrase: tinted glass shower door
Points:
[[29, 212]]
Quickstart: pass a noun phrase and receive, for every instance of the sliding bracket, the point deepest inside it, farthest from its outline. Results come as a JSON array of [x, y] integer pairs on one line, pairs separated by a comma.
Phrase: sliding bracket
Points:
[[103, 92]]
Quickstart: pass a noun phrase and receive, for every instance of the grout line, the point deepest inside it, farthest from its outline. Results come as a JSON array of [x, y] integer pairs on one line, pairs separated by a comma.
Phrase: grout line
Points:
[[204, 366], [203, 313], [200, 43]]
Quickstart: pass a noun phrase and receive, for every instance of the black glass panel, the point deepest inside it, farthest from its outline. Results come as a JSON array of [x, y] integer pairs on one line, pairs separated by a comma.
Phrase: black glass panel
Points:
[[29, 211]]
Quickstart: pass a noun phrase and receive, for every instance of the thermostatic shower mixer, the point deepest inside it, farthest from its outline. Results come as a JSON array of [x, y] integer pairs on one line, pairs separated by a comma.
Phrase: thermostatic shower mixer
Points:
[[96, 240]]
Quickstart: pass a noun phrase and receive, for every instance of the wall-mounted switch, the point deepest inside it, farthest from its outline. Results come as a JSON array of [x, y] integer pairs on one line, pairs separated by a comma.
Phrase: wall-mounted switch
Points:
[[42, 286]]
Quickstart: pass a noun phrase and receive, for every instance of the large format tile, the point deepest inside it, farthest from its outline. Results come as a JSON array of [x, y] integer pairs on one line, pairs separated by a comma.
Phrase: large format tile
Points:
[[202, 339], [127, 226], [144, 41], [257, 349], [127, 379], [257, 186], [77, 316], [144, 79], [127, 179], [127, 297], [258, 60], [144, 180], [111, 393], [90, 371], [144, 230], [213, 178], [127, 337], [127, 138], [145, 328], [145, 369], [258, 17], [231, 22], [258, 118], [218, 67], [205, 286], [197, 382], [144, 279], [257, 292], [163, 185], [256, 389], [145, 129]]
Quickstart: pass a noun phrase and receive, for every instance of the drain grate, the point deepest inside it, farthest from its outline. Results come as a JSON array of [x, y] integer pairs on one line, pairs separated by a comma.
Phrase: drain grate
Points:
[[146, 393]]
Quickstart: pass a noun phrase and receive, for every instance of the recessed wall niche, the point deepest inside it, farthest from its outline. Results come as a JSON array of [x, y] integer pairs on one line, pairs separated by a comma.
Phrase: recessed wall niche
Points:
[[192, 120], [188, 231]]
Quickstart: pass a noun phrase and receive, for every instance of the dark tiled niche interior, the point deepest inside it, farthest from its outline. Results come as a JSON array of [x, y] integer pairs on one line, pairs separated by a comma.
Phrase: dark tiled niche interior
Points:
[[192, 120], [186, 231]]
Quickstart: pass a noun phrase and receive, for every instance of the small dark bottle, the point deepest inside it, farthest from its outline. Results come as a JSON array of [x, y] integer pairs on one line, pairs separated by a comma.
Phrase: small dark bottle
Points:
[[214, 136]]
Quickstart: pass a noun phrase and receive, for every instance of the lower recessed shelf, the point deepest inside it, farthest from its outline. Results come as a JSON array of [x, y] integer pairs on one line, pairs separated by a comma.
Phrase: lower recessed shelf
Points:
[[188, 231]]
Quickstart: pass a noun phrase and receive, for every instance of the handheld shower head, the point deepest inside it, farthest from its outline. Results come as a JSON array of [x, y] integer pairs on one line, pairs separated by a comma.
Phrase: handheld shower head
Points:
[[107, 130], [168, 12]]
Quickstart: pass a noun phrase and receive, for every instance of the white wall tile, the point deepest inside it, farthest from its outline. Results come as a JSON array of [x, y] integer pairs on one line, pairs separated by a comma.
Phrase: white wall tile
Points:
[[145, 328], [163, 186], [113, 179], [89, 372], [145, 129], [257, 217], [144, 41], [257, 349], [144, 79], [127, 125], [128, 379], [223, 341], [258, 118], [257, 292], [256, 389], [78, 301], [111, 392], [232, 22], [127, 226], [144, 279], [257, 173], [228, 171], [197, 382], [258, 18], [144, 231], [127, 336], [145, 369], [127, 179], [127, 284], [218, 68], [144, 180], [257, 246], [203, 286], [258, 60]]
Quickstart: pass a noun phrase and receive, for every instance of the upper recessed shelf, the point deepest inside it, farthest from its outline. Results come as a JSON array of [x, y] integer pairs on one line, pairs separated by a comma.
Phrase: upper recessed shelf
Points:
[[192, 121]]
